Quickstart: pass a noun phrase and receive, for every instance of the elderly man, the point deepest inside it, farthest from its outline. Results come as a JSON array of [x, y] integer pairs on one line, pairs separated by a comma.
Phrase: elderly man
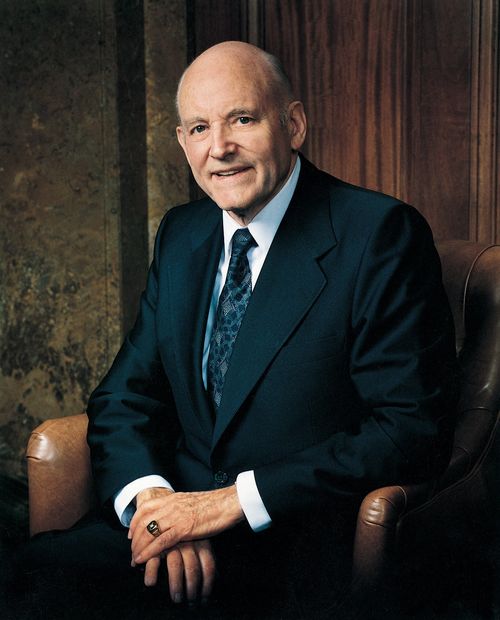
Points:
[[293, 350]]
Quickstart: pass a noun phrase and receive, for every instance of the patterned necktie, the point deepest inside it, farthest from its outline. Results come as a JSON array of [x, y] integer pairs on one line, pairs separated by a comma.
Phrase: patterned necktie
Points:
[[233, 302]]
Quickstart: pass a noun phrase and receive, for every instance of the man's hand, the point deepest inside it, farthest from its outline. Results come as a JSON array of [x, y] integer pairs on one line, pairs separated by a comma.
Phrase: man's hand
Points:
[[181, 517], [190, 568], [190, 565], [184, 519]]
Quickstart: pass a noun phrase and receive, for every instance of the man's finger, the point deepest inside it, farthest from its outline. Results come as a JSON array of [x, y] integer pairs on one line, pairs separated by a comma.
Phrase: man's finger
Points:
[[142, 538], [208, 568], [192, 570], [146, 549], [151, 571], [148, 504], [141, 518], [175, 569]]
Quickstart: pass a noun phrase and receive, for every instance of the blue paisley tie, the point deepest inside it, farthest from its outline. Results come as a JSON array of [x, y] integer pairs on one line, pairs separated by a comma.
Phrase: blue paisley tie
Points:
[[233, 302]]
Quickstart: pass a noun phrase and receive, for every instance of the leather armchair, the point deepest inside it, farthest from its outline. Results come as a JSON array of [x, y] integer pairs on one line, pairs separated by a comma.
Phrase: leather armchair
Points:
[[60, 486], [397, 521]]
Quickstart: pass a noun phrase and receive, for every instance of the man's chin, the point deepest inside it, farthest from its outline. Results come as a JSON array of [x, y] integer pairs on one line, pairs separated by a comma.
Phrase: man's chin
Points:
[[232, 206], [236, 206], [243, 215], [239, 211]]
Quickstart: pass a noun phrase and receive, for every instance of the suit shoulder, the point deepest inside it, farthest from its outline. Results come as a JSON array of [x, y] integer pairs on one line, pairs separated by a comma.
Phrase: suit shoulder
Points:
[[186, 216], [196, 209], [357, 212], [367, 208], [356, 197], [344, 196]]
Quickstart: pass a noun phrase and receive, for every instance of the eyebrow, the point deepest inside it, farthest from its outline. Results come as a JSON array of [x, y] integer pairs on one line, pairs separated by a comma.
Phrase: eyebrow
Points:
[[194, 120], [231, 114], [241, 112]]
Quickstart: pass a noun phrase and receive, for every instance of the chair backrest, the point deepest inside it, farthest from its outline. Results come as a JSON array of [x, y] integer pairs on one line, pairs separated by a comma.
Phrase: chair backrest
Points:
[[471, 275]]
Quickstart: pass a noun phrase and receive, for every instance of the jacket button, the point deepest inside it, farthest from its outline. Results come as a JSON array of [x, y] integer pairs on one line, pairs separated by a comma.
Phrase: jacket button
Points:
[[221, 477]]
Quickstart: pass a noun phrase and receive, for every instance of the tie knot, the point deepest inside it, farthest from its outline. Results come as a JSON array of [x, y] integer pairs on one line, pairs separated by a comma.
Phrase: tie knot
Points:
[[242, 242]]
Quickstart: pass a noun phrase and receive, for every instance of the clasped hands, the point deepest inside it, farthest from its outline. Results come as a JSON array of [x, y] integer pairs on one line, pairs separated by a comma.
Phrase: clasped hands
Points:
[[186, 522]]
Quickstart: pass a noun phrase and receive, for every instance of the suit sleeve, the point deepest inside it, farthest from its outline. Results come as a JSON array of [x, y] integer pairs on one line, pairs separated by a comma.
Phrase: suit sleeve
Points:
[[133, 407], [402, 367]]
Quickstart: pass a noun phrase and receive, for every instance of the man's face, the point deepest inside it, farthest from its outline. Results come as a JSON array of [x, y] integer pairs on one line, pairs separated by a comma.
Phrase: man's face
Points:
[[238, 148]]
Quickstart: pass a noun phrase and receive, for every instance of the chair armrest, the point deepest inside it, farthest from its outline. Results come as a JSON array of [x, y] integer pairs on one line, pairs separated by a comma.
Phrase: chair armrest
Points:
[[387, 515], [377, 526], [59, 473]]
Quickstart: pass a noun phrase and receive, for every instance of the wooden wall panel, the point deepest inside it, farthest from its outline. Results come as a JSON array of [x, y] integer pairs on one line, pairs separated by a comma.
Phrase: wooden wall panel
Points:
[[346, 64], [438, 127], [401, 96], [212, 21], [484, 211]]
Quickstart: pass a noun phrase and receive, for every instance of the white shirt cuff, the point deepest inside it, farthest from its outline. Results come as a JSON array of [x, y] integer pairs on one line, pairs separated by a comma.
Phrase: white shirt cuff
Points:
[[123, 502], [251, 502]]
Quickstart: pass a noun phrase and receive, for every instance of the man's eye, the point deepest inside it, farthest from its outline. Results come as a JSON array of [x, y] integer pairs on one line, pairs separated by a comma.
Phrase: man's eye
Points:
[[198, 129], [244, 120]]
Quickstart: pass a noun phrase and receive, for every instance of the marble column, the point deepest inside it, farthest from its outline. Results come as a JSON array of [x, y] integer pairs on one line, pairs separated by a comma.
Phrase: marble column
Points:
[[59, 232], [89, 162]]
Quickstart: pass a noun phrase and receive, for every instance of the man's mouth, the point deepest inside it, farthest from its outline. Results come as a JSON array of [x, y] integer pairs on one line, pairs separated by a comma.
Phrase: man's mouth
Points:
[[229, 173]]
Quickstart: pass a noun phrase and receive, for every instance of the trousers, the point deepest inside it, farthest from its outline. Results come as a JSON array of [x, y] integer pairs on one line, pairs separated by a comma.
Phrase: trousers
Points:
[[85, 572]]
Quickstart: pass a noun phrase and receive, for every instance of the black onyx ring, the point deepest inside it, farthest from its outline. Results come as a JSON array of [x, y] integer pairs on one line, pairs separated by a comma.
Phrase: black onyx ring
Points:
[[153, 528]]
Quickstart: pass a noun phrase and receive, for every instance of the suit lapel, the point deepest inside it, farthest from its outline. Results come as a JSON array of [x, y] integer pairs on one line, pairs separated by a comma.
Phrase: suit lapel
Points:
[[289, 283], [191, 284]]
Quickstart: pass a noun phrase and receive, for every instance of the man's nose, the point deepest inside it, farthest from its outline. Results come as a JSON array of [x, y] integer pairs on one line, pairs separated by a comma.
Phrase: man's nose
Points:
[[222, 143]]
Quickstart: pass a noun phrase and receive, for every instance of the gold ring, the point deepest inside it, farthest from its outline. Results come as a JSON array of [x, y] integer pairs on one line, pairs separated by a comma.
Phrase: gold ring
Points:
[[153, 528]]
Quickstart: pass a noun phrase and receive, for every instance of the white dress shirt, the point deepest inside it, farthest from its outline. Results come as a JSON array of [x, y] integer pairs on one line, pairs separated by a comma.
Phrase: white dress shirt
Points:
[[263, 229]]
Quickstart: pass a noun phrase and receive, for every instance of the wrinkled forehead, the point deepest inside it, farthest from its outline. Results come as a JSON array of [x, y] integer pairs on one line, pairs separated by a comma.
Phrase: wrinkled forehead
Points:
[[223, 81]]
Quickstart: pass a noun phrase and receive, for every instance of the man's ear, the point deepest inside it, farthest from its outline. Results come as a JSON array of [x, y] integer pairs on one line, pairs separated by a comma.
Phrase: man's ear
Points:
[[181, 137], [297, 124]]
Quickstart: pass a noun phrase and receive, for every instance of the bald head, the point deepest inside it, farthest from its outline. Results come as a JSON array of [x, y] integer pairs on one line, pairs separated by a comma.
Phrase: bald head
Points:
[[247, 58]]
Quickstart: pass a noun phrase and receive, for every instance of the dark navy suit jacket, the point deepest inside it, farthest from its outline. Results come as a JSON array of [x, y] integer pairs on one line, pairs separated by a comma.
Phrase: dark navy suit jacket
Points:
[[341, 375]]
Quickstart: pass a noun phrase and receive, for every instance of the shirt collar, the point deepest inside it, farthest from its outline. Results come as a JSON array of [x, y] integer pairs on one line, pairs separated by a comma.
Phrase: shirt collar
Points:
[[265, 224]]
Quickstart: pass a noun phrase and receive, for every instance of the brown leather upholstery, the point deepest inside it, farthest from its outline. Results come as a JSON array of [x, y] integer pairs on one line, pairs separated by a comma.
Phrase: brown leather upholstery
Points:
[[59, 475], [59, 472]]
